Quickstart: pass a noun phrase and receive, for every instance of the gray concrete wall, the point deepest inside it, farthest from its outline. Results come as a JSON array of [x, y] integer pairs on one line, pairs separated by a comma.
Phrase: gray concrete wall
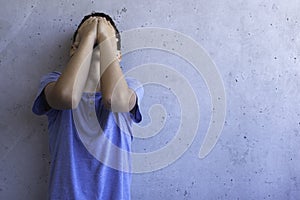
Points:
[[256, 48]]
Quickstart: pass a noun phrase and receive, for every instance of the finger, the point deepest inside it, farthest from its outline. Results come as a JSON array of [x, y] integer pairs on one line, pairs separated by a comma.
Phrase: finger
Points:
[[111, 26], [94, 19], [99, 23], [102, 20], [85, 23], [89, 21], [106, 21]]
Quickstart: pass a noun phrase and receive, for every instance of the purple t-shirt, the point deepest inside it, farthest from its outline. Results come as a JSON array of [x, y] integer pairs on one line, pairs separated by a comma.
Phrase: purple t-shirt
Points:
[[89, 146]]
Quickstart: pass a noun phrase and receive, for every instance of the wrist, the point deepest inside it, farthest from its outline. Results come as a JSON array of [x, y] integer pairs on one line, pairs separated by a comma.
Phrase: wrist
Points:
[[104, 38], [89, 39]]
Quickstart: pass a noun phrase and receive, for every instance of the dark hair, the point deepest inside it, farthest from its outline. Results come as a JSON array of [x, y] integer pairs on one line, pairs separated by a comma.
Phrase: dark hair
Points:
[[108, 18]]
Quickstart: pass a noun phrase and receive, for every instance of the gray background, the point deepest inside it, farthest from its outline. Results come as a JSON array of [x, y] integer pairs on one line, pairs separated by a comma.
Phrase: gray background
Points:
[[256, 47]]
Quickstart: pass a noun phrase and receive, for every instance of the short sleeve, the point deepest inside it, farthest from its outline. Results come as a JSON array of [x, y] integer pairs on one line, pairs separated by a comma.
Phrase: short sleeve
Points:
[[40, 104], [137, 87]]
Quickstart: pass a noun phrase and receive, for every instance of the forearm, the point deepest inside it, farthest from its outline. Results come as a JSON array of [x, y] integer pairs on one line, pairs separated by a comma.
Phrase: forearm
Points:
[[114, 87], [72, 80]]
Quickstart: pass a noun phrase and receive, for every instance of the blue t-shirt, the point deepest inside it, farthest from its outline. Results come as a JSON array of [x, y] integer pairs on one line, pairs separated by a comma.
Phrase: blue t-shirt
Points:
[[89, 146]]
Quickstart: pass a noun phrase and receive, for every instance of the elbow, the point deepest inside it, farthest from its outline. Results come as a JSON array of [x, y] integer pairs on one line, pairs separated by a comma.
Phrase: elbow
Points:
[[69, 101], [117, 103], [60, 98]]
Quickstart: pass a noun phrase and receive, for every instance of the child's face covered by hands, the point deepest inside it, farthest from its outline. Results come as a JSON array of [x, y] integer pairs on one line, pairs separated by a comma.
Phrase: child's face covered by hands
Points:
[[100, 30]]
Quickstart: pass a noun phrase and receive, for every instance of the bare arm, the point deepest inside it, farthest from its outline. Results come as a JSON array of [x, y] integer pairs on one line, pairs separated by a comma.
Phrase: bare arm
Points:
[[66, 92], [116, 94]]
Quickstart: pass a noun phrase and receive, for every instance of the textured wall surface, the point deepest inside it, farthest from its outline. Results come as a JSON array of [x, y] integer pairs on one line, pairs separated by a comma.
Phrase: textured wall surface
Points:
[[256, 47]]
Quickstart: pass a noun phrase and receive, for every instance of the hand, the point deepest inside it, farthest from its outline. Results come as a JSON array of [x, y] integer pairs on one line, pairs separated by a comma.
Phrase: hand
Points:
[[106, 32], [88, 29]]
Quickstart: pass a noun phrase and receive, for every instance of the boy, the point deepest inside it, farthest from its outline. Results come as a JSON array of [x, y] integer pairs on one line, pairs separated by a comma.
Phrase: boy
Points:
[[90, 109]]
